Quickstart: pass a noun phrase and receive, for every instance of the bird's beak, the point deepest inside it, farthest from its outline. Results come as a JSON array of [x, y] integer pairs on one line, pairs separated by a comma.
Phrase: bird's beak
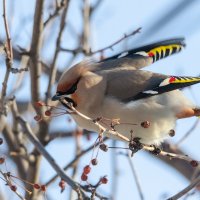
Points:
[[57, 97]]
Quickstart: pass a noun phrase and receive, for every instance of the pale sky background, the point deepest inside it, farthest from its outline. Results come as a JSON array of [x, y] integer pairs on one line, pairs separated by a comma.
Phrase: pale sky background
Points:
[[159, 20]]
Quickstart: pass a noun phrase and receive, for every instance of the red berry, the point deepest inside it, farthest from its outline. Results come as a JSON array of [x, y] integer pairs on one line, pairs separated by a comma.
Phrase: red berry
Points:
[[87, 169], [39, 103], [145, 124], [62, 184], [38, 118], [84, 177], [194, 163], [2, 160], [1, 141], [36, 186], [47, 113], [94, 161], [43, 188], [104, 180], [13, 188]]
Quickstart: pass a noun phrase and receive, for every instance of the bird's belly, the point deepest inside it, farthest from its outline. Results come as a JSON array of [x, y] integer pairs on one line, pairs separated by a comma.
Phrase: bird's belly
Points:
[[159, 113]]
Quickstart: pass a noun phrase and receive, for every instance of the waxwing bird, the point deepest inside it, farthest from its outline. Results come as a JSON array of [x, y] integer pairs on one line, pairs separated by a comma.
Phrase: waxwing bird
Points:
[[118, 88]]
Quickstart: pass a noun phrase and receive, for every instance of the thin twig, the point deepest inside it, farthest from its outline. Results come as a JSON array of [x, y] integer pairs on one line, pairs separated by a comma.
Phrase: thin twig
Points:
[[194, 183], [55, 13], [70, 164], [7, 180], [135, 177], [149, 148], [52, 75], [9, 59], [43, 151], [9, 51], [188, 132], [117, 42]]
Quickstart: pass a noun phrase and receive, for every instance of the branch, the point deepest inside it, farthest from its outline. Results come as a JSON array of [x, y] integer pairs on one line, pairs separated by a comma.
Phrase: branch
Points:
[[149, 148], [9, 58], [117, 42], [9, 51], [52, 76], [194, 183], [135, 177], [70, 164], [43, 151], [55, 13]]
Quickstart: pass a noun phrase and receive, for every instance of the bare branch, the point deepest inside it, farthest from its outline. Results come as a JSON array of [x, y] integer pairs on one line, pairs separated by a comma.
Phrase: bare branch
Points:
[[185, 190], [42, 150], [117, 42], [56, 12], [9, 58], [53, 65], [135, 177]]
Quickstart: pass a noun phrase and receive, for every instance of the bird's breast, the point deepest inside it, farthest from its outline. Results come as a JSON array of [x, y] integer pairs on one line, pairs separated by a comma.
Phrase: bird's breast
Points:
[[75, 98]]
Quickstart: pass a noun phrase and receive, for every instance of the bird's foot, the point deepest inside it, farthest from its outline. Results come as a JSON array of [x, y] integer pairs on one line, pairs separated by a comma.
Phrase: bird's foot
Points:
[[135, 145], [156, 151]]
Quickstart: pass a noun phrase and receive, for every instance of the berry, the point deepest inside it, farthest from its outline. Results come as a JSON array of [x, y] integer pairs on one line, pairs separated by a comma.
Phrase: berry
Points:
[[194, 163], [47, 113], [38, 118], [87, 169], [2, 160], [103, 147], [39, 103], [36, 186], [171, 133], [84, 177], [104, 180], [13, 188], [145, 124], [1, 141], [94, 161], [62, 184], [43, 188]]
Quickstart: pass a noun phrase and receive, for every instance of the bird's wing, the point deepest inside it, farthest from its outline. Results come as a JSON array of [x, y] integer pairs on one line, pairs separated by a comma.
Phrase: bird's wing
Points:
[[129, 85], [144, 56]]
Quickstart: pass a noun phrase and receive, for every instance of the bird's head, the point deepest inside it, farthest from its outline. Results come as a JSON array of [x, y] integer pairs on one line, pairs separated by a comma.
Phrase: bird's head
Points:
[[67, 85]]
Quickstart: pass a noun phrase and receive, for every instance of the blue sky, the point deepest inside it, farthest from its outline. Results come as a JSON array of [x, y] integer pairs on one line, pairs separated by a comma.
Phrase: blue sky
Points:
[[112, 20]]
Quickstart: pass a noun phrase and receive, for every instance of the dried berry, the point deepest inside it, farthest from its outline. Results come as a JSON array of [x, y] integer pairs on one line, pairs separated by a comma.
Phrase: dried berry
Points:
[[39, 103], [104, 180], [62, 184], [172, 133], [94, 161], [87, 169], [145, 124], [13, 188], [194, 163], [36, 186], [2, 160], [103, 147], [43, 188], [38, 118], [1, 141], [47, 113], [84, 177]]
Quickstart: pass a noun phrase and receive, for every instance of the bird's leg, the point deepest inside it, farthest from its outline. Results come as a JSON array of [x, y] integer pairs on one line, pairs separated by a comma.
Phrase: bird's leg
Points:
[[189, 112], [135, 145]]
